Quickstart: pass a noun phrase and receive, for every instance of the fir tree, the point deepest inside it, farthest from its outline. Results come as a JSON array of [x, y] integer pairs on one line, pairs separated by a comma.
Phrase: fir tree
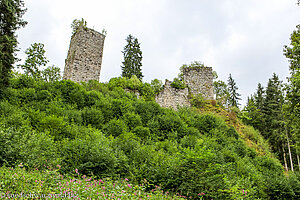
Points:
[[259, 96], [292, 108], [234, 96], [11, 12], [273, 113], [132, 58]]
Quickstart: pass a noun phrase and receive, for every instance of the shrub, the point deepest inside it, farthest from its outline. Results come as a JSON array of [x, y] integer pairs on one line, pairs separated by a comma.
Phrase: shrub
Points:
[[197, 101], [39, 150], [9, 151], [132, 120], [147, 110], [91, 154], [147, 92], [92, 116], [73, 116], [142, 132], [134, 83], [91, 98], [206, 123], [178, 84], [115, 127], [117, 82], [157, 86], [54, 125]]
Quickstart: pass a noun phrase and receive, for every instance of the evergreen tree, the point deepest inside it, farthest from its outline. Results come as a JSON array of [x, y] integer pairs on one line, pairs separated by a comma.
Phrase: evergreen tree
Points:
[[132, 59], [259, 96], [292, 108], [11, 12], [234, 96], [274, 128], [251, 114]]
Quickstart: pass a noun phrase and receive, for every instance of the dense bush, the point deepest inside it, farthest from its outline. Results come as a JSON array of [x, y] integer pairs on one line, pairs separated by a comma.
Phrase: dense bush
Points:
[[102, 130]]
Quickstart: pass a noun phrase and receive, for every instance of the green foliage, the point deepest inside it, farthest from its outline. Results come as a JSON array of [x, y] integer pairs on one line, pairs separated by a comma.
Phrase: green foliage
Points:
[[134, 83], [221, 91], [197, 101], [115, 127], [233, 97], [51, 184], [157, 85], [193, 65], [103, 131], [132, 58], [76, 24], [292, 108], [92, 116], [51, 74], [11, 20], [35, 59], [178, 84]]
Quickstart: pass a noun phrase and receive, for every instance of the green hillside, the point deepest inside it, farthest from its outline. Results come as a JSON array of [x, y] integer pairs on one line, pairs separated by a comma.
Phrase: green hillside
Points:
[[53, 129]]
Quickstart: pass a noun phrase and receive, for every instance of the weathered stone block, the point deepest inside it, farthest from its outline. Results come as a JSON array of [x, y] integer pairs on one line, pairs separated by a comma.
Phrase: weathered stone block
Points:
[[84, 58]]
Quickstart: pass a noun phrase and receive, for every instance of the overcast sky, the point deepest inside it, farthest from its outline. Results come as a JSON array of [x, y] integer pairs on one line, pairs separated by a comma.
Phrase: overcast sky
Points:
[[241, 37]]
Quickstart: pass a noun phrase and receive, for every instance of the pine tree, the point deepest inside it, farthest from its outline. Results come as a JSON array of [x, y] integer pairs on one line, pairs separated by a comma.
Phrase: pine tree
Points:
[[11, 12], [132, 59], [234, 96]]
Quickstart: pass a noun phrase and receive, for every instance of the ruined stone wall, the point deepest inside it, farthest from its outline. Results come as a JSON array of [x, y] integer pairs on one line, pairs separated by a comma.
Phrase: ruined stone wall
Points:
[[171, 97], [200, 81], [84, 58]]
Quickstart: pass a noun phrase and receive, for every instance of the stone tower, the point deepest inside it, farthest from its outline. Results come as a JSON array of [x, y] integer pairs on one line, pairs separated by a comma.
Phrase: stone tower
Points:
[[84, 58], [200, 81]]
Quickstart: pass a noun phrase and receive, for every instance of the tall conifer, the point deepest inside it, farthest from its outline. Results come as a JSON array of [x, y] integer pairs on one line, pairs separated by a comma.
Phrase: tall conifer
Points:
[[11, 12], [132, 58], [234, 96]]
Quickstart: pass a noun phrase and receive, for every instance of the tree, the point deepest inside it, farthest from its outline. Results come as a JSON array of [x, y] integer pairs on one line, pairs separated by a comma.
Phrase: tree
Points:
[[51, 74], [35, 62], [221, 91], [259, 96], [234, 97], [132, 58], [274, 127], [11, 12], [35, 59], [292, 108]]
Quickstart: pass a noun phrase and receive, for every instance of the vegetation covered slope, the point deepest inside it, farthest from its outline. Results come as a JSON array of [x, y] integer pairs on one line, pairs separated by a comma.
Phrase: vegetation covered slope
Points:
[[104, 131]]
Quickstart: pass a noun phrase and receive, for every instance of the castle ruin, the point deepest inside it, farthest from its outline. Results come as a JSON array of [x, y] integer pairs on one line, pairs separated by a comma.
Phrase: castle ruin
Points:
[[84, 58], [199, 80]]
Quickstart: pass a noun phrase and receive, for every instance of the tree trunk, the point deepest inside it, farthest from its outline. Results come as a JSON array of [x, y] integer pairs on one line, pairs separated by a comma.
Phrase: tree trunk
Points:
[[298, 161], [289, 148], [284, 158]]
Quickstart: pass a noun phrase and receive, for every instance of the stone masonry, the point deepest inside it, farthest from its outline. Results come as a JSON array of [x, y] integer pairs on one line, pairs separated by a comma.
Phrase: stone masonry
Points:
[[199, 80], [84, 58], [171, 97]]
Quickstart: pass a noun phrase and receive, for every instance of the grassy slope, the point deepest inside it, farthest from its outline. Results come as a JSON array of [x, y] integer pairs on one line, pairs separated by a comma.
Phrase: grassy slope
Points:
[[192, 151]]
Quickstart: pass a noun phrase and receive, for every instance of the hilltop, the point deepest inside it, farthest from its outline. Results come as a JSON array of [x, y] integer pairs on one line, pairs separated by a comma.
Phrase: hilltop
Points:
[[104, 131]]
